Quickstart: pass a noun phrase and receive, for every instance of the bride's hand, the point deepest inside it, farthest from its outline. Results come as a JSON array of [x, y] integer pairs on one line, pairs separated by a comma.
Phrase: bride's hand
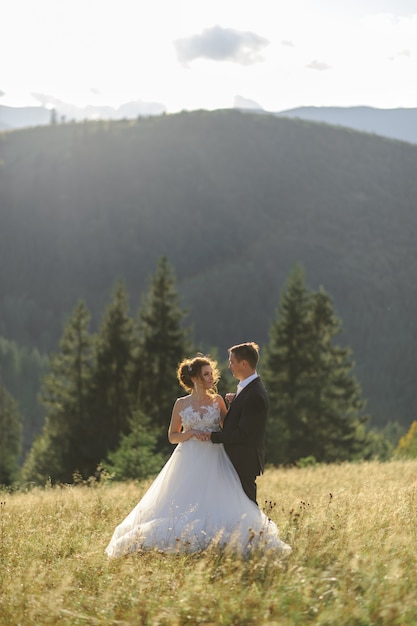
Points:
[[201, 435], [195, 433]]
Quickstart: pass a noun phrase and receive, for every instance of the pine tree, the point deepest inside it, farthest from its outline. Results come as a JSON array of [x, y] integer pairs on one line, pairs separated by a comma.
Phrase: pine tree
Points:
[[135, 458], [315, 400], [163, 343], [285, 368], [22, 369], [10, 437], [336, 406], [58, 452], [110, 398]]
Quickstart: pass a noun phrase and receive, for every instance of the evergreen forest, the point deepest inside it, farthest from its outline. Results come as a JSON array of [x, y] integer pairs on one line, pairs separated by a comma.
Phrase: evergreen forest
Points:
[[235, 201]]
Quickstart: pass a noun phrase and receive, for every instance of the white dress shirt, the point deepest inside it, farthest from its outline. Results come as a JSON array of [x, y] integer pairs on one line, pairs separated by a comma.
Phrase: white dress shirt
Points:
[[243, 383]]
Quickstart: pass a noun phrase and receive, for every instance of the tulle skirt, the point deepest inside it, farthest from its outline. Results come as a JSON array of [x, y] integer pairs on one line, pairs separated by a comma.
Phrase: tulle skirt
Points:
[[196, 501]]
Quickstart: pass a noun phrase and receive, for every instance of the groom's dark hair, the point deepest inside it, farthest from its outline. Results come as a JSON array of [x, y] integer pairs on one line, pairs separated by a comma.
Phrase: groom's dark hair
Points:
[[246, 352]]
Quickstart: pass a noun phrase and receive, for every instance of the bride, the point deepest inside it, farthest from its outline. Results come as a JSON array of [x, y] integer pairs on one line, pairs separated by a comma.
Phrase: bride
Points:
[[197, 499]]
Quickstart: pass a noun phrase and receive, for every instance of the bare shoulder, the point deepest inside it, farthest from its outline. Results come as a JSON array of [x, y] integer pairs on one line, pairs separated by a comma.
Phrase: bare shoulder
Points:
[[182, 401], [179, 406], [219, 400]]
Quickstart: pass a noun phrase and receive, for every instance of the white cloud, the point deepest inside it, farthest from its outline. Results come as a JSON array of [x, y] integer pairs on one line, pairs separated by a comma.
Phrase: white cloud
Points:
[[221, 44], [318, 65]]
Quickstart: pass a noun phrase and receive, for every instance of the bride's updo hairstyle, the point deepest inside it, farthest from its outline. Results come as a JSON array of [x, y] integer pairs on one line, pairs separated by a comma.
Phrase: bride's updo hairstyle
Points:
[[191, 368]]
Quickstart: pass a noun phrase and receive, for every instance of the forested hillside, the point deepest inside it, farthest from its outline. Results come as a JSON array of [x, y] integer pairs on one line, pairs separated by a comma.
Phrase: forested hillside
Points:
[[234, 201]]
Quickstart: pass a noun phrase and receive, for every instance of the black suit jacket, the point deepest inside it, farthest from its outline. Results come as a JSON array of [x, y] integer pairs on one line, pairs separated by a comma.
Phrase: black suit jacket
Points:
[[243, 433]]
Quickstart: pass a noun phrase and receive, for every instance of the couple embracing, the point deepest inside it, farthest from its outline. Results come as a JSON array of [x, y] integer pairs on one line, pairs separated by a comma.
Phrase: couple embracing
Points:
[[205, 494]]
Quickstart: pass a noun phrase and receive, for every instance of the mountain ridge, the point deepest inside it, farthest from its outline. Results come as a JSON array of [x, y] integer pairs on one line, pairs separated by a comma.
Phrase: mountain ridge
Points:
[[398, 123]]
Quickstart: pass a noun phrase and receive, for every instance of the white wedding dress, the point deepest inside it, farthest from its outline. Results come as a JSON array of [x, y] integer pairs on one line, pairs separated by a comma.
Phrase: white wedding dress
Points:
[[196, 501]]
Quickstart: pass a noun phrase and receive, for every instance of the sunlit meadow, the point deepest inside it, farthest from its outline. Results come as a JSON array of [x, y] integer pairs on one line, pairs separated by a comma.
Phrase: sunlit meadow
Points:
[[353, 529]]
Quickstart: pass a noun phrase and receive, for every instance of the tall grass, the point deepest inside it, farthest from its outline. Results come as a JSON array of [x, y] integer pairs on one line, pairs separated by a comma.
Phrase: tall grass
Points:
[[353, 529]]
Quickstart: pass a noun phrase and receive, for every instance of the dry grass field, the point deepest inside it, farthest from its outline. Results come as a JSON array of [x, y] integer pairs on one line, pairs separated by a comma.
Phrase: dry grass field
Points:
[[353, 529]]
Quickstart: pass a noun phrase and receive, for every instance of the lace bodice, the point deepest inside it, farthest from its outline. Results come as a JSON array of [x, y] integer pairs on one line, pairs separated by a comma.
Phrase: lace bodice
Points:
[[207, 419]]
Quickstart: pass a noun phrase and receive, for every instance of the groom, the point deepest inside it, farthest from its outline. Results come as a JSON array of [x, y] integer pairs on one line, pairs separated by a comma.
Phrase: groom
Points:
[[243, 433]]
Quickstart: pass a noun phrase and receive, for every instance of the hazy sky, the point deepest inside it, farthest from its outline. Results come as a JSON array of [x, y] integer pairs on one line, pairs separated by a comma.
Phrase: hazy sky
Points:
[[189, 54]]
